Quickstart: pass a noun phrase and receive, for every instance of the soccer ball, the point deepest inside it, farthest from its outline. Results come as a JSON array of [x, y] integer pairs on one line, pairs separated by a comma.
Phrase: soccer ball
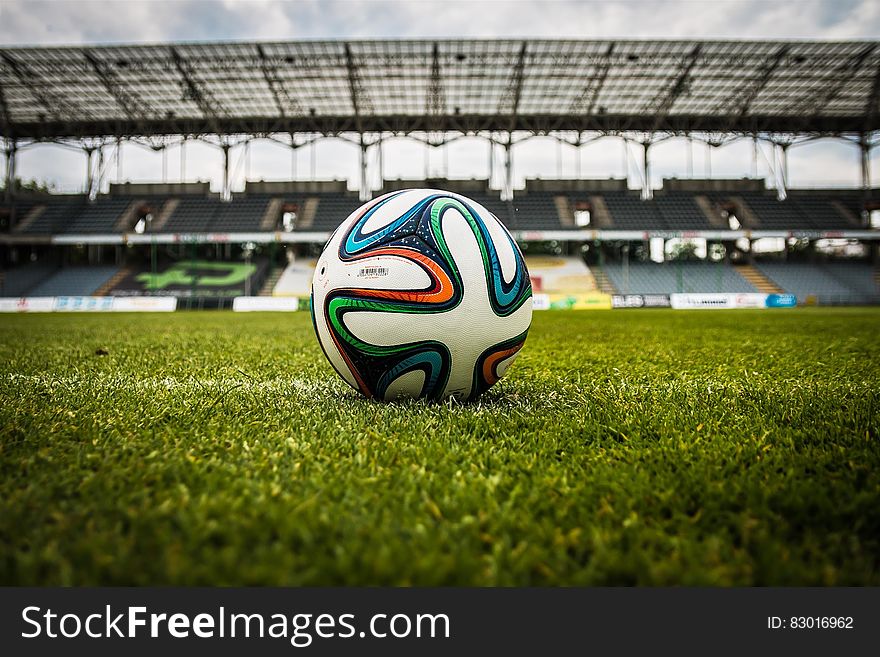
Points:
[[421, 293]]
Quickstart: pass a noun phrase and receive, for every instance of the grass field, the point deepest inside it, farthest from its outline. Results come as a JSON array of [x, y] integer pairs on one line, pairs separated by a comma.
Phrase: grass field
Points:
[[626, 447]]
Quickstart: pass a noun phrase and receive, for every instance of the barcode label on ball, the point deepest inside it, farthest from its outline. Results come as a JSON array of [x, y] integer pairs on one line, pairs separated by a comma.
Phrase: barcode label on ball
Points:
[[372, 272]]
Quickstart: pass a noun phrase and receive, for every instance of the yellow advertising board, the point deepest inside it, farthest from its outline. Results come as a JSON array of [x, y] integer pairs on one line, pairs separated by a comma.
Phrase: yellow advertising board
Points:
[[580, 301]]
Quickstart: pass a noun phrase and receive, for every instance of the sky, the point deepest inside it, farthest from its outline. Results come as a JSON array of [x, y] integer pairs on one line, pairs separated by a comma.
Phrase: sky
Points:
[[824, 162]]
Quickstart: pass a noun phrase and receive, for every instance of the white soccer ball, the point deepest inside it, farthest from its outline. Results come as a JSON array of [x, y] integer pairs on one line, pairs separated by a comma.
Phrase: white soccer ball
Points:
[[421, 293]]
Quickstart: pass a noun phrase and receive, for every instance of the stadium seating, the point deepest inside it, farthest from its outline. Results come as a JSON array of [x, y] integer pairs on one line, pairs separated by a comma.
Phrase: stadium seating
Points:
[[99, 216], [828, 283], [74, 281], [679, 211], [56, 216], [193, 215], [629, 212], [243, 214], [533, 211], [670, 210], [669, 277], [332, 209], [19, 281]]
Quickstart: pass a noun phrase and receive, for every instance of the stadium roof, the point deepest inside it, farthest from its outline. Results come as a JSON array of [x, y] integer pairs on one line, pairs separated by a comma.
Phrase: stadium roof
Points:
[[448, 85]]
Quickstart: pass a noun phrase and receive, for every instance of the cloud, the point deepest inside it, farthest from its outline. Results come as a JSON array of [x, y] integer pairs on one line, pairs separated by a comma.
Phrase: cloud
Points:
[[77, 21]]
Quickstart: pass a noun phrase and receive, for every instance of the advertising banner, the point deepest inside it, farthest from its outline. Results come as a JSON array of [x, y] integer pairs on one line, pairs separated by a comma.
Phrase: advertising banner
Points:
[[144, 304], [86, 304], [640, 301], [582, 301], [26, 304], [781, 301], [265, 304], [83, 304], [704, 301]]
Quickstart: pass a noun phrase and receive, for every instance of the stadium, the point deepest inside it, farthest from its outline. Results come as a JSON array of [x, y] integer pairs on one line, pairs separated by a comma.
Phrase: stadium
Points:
[[697, 405]]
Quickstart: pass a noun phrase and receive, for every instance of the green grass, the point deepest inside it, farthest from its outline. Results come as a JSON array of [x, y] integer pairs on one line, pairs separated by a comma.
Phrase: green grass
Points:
[[625, 447]]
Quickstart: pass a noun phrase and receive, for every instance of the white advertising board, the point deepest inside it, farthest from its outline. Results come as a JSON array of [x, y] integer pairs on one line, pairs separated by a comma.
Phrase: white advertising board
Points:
[[265, 304], [26, 304], [720, 300]]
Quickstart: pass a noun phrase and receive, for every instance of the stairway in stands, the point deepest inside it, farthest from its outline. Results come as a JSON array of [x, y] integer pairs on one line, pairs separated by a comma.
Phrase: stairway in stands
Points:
[[270, 282], [760, 282], [111, 283], [602, 281]]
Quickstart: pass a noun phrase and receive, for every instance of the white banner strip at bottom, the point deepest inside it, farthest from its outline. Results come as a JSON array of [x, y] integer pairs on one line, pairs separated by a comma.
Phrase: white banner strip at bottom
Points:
[[265, 304], [80, 304]]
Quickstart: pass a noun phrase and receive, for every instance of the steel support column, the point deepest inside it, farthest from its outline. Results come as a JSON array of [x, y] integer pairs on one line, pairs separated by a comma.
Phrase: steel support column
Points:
[[364, 191], [507, 190], [491, 160], [785, 177], [225, 191], [865, 161], [118, 160], [647, 192], [783, 182], [183, 160], [755, 156], [99, 179], [11, 150], [381, 147], [90, 181], [690, 157]]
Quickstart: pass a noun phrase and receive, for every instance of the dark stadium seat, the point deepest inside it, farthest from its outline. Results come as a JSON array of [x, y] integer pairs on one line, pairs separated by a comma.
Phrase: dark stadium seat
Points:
[[679, 211], [835, 282], [332, 210], [57, 215], [629, 212], [669, 277], [99, 216], [535, 211], [19, 281], [241, 214], [193, 215]]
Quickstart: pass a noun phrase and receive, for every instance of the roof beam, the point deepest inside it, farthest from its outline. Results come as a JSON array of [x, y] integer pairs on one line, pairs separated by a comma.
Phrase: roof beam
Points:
[[435, 103], [359, 99], [839, 79], [131, 106], [270, 75], [662, 103], [871, 106], [201, 96], [514, 87], [5, 119], [586, 101], [748, 95], [34, 84]]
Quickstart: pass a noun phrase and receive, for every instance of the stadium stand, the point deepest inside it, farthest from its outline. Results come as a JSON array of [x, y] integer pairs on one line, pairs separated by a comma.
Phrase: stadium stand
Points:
[[56, 216], [829, 283], [680, 211], [19, 281], [534, 211], [193, 215], [243, 214], [629, 212], [73, 281], [332, 209], [99, 216], [542, 205], [668, 277]]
